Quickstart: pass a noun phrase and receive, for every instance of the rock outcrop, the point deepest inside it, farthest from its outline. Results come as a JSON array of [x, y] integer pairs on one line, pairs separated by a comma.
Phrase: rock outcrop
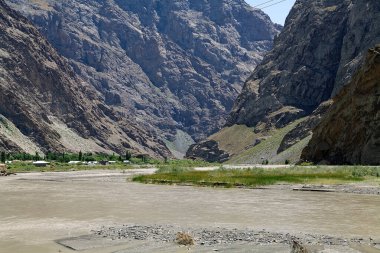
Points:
[[45, 106], [350, 132], [175, 65], [208, 151], [318, 51], [304, 128]]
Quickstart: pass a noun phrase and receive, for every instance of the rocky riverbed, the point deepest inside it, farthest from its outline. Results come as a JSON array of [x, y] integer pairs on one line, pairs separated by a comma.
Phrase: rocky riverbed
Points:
[[217, 236], [219, 239]]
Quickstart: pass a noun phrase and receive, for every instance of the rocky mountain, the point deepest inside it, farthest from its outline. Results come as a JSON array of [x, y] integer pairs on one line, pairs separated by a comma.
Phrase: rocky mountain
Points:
[[173, 65], [350, 132], [45, 106], [319, 50]]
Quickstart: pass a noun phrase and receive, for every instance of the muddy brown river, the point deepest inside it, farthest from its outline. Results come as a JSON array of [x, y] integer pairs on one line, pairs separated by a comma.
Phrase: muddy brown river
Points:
[[38, 208]]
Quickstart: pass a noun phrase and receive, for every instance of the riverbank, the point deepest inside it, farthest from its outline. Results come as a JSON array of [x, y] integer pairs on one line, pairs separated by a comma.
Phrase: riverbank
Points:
[[349, 179]]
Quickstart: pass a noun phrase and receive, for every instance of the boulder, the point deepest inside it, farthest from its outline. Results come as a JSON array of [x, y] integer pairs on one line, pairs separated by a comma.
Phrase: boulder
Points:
[[208, 151]]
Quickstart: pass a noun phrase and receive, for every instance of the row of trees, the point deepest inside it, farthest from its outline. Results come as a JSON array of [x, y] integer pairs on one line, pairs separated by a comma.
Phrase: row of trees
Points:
[[64, 157]]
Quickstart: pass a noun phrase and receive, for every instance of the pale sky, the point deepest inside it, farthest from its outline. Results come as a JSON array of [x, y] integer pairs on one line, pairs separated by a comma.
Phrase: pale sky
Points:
[[277, 12]]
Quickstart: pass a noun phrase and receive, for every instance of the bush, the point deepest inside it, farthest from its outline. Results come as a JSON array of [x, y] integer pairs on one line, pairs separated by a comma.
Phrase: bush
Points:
[[365, 171], [184, 239], [306, 164]]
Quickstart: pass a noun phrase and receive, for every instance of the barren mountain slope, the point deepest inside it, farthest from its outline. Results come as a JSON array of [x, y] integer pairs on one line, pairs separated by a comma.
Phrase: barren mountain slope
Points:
[[44, 106]]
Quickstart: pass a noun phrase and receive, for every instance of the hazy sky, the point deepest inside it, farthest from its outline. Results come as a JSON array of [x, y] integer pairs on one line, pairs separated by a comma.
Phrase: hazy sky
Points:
[[277, 12]]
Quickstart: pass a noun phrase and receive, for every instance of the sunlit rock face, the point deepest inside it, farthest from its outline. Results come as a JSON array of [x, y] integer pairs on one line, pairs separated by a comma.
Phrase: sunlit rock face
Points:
[[45, 106]]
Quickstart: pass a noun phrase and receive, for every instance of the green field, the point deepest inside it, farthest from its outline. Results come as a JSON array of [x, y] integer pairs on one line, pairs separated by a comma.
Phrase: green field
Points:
[[170, 165], [261, 177]]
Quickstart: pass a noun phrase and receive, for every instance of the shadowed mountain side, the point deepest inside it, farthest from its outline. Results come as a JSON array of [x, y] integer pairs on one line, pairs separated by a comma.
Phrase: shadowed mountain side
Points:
[[317, 53], [350, 132]]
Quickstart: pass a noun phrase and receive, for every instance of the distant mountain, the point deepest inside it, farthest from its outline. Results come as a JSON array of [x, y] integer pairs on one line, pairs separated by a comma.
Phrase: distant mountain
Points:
[[176, 66], [44, 106], [319, 50], [350, 132]]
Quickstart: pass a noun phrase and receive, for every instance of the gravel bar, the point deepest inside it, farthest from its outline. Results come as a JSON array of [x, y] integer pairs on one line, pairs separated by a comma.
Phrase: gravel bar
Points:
[[217, 236]]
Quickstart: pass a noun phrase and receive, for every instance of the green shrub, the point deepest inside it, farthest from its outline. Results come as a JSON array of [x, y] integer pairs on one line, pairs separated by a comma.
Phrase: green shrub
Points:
[[306, 164]]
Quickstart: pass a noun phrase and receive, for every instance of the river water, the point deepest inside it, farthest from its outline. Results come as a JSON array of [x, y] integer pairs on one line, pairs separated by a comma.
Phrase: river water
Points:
[[36, 209]]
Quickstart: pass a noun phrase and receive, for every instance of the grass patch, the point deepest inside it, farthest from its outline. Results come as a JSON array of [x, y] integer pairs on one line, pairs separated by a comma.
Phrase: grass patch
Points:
[[261, 177], [176, 166], [268, 147]]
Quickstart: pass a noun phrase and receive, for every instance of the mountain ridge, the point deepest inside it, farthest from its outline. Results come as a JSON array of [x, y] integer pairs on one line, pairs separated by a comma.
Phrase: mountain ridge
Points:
[[177, 69]]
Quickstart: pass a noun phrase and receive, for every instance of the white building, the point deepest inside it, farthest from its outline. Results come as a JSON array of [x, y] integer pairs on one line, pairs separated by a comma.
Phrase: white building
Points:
[[41, 163]]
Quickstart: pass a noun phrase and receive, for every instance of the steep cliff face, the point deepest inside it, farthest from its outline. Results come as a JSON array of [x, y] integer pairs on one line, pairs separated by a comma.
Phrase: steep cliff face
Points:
[[316, 54], [175, 65], [45, 106], [320, 48], [350, 132]]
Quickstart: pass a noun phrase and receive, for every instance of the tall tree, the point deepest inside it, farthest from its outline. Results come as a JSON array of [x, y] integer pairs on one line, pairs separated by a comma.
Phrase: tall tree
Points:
[[3, 156]]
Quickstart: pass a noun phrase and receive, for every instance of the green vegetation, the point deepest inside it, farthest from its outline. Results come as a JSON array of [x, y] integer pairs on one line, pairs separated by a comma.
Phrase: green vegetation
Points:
[[249, 145], [175, 166], [260, 177], [59, 162], [3, 157], [24, 166], [128, 155], [267, 148], [66, 157], [236, 138]]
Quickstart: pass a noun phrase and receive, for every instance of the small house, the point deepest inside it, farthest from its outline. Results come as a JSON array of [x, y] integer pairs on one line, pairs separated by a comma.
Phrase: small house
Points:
[[41, 163], [74, 162]]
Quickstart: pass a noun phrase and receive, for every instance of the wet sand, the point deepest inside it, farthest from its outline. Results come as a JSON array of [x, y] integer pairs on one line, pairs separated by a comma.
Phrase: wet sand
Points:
[[38, 208]]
